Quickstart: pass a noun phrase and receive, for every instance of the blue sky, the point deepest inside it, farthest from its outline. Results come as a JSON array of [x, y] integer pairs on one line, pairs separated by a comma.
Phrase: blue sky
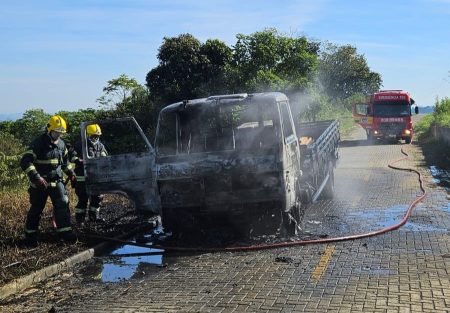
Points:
[[58, 55]]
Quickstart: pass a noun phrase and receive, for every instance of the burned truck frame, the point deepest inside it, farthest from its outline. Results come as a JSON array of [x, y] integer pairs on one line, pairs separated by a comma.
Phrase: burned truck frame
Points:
[[234, 160]]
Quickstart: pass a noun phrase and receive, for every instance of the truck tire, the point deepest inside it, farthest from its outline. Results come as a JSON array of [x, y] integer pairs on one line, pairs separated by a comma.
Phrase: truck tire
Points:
[[328, 190], [177, 220], [408, 140]]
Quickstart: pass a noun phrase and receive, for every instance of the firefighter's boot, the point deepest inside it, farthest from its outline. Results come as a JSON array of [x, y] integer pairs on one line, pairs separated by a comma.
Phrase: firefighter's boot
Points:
[[31, 239], [79, 218], [68, 237], [94, 215]]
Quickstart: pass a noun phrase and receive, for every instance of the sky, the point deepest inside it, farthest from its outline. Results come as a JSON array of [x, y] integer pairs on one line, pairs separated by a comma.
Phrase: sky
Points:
[[58, 55]]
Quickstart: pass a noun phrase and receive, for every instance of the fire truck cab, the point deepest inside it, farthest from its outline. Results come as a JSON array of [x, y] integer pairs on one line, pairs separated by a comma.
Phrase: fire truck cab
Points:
[[386, 114]]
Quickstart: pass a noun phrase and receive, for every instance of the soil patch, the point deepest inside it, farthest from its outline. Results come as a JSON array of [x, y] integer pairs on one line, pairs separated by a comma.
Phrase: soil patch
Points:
[[16, 259]]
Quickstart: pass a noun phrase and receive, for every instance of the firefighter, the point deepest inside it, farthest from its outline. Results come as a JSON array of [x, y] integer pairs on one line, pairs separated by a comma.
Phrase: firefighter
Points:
[[44, 162], [95, 149]]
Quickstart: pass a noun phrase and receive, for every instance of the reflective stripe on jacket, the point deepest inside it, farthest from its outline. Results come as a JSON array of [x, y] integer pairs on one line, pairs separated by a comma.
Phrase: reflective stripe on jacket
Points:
[[45, 158]]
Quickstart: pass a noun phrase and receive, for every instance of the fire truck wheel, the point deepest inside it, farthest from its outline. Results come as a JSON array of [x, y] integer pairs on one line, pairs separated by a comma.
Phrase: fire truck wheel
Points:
[[408, 140]]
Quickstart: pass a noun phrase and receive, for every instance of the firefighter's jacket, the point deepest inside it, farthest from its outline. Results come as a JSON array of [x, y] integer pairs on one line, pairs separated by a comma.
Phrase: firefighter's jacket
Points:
[[94, 150], [46, 159]]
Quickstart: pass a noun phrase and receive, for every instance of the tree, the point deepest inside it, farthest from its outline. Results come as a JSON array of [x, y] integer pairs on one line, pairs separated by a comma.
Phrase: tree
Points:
[[124, 96], [216, 58], [179, 71], [442, 112], [188, 69], [74, 119], [267, 60], [117, 91], [343, 72], [32, 123]]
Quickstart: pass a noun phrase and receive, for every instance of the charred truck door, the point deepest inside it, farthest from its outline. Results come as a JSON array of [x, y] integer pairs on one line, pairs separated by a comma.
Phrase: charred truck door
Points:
[[291, 168], [128, 167]]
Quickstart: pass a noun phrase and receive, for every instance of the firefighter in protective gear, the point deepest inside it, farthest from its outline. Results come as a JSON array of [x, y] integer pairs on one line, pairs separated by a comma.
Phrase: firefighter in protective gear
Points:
[[44, 163], [95, 149]]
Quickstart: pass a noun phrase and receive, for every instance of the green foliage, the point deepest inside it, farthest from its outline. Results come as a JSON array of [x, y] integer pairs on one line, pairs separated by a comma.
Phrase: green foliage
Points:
[[440, 116], [422, 128], [178, 74], [320, 107], [188, 69], [30, 125], [215, 67], [11, 175], [134, 101], [117, 90], [442, 112], [267, 60], [343, 72], [262, 61], [74, 120]]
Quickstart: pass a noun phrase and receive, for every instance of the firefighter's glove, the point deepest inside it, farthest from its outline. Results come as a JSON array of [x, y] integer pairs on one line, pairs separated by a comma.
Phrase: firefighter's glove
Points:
[[73, 179], [79, 162], [41, 183]]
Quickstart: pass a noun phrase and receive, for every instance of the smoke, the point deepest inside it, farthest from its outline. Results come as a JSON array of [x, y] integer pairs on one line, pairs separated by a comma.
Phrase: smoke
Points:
[[301, 103]]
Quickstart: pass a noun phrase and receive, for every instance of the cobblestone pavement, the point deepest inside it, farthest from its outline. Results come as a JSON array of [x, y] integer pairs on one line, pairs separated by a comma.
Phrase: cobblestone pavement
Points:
[[406, 270]]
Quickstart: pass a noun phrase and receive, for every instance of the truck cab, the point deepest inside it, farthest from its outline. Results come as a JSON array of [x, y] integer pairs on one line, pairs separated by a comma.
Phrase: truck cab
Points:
[[386, 114], [231, 159]]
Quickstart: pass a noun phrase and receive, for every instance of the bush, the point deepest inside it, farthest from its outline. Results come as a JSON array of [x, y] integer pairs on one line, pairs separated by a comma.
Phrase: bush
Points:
[[442, 112], [11, 175], [423, 127]]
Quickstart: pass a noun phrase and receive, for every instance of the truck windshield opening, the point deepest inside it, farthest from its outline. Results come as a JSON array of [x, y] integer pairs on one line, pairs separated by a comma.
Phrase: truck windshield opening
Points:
[[391, 108], [225, 127]]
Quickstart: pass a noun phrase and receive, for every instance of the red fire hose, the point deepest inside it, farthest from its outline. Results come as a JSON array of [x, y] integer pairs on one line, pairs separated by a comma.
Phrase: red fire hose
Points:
[[296, 242]]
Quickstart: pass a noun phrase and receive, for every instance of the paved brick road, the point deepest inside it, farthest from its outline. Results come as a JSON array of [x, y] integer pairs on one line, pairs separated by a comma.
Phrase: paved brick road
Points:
[[406, 270]]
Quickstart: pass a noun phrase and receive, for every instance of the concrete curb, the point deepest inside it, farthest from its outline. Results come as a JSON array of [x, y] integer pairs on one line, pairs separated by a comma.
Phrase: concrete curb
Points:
[[21, 283], [27, 281]]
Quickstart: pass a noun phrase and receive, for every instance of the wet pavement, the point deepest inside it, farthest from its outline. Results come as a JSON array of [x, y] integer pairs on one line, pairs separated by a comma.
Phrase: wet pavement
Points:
[[406, 270], [441, 177]]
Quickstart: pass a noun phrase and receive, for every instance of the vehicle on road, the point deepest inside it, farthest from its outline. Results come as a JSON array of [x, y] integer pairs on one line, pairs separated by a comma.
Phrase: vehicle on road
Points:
[[386, 114], [238, 160]]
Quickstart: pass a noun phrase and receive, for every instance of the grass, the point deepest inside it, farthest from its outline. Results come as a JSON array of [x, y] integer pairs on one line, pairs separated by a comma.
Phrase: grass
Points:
[[344, 117], [17, 260], [13, 209]]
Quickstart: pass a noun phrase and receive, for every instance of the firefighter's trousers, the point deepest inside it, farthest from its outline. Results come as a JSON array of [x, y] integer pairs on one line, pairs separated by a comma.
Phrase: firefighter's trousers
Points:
[[60, 200], [83, 198]]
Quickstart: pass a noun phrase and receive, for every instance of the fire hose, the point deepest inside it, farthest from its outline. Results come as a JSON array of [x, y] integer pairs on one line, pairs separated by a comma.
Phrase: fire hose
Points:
[[295, 242]]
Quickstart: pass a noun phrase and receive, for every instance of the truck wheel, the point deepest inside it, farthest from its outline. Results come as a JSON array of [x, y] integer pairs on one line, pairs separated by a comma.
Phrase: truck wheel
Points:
[[408, 140], [176, 220], [328, 191]]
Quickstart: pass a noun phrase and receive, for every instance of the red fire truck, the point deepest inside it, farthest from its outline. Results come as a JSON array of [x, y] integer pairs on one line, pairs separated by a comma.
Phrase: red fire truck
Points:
[[386, 114]]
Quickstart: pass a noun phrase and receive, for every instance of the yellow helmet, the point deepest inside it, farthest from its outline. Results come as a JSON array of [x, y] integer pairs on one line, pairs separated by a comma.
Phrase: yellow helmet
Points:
[[57, 123], [93, 129]]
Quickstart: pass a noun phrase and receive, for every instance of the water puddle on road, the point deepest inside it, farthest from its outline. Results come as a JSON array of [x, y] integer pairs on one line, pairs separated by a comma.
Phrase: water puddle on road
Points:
[[441, 177], [378, 271], [383, 218], [446, 208], [125, 262]]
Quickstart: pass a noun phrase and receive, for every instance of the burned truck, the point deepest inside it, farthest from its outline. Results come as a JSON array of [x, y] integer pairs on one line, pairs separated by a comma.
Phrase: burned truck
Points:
[[237, 160]]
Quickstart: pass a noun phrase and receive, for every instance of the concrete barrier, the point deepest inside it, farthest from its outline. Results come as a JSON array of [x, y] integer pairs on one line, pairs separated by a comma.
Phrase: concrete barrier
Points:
[[442, 133]]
